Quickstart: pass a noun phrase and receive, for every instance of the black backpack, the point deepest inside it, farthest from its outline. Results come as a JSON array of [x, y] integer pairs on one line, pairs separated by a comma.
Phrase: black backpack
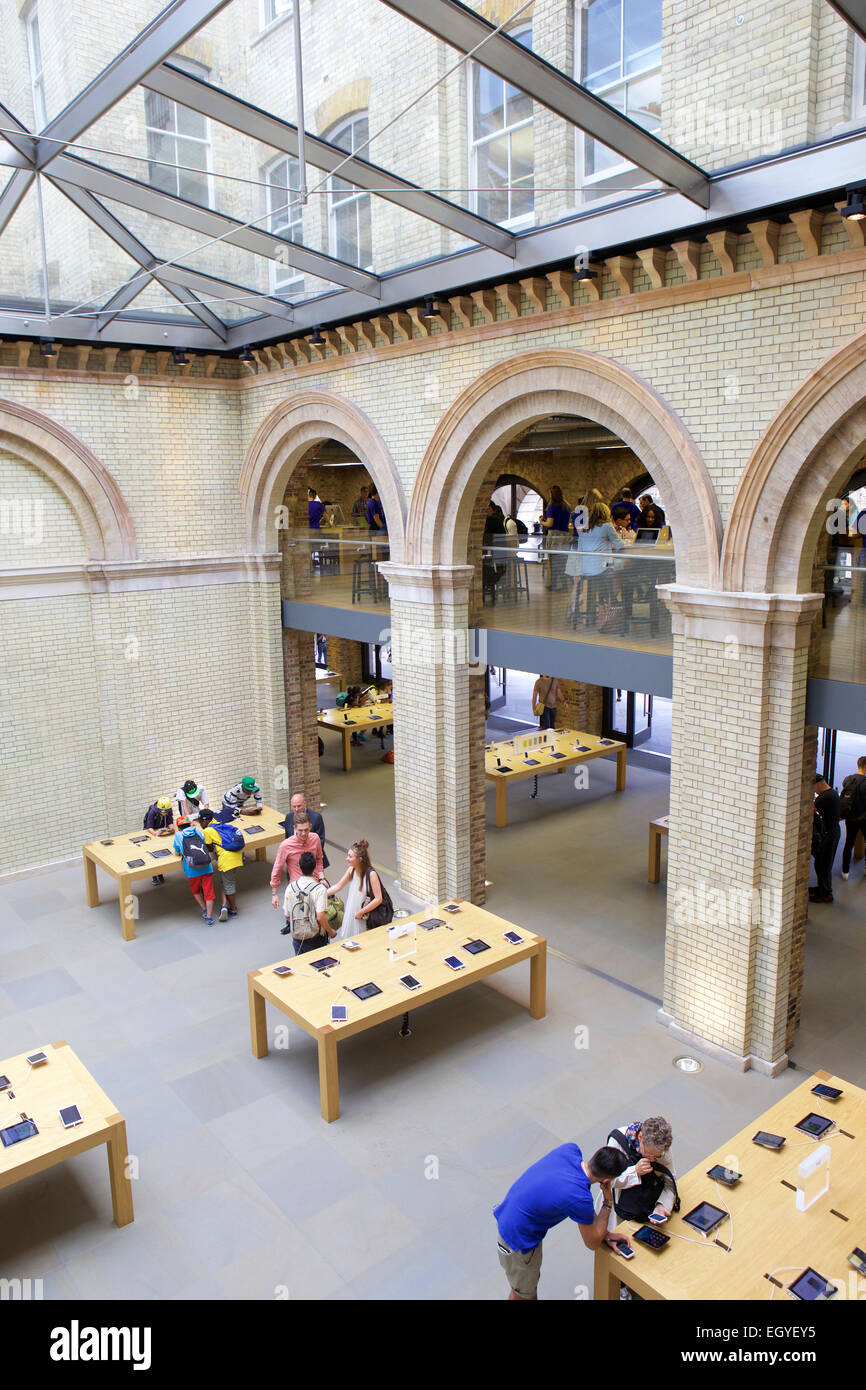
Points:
[[852, 802], [636, 1203], [522, 528]]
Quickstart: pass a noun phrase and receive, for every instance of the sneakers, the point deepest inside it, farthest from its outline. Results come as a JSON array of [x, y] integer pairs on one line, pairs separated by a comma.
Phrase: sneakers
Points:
[[157, 879], [284, 931], [224, 913], [815, 896], [208, 921], [844, 878], [233, 912]]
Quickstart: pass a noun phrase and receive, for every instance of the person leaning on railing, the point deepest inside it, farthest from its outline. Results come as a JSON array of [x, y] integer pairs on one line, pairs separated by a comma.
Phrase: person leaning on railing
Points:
[[591, 559]]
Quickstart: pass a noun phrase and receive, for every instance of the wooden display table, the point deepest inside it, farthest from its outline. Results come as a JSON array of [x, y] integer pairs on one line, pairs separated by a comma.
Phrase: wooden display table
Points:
[[517, 768], [770, 1237], [355, 721], [657, 828], [113, 856], [39, 1093], [306, 997]]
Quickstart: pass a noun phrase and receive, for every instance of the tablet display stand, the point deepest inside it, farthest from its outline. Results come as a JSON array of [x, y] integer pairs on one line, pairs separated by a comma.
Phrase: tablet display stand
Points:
[[813, 1177], [402, 934]]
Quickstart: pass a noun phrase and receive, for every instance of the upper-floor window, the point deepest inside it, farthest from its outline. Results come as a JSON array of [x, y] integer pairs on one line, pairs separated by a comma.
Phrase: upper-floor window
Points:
[[178, 143], [858, 86], [620, 61], [350, 219], [502, 143], [34, 54], [285, 218], [272, 10]]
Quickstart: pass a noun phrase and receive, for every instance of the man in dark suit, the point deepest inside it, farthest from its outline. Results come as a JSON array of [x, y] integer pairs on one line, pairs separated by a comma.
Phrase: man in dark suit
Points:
[[317, 825]]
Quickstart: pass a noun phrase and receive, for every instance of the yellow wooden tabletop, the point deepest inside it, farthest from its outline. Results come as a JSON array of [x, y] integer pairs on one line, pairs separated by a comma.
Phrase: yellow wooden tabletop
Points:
[[563, 742], [40, 1092], [362, 717], [115, 857], [307, 996], [767, 1235]]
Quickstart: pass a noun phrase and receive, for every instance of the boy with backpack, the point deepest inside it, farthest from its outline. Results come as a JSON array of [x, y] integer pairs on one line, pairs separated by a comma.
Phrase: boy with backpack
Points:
[[197, 866], [159, 821], [226, 844], [305, 905], [852, 804]]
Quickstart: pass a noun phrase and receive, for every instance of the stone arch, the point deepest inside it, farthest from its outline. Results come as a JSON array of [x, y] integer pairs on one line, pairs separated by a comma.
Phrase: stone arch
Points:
[[289, 432], [529, 387], [805, 456], [87, 485]]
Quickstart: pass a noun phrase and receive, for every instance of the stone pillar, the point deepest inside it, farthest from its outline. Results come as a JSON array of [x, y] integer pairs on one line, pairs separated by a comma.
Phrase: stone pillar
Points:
[[737, 857], [434, 754], [299, 675], [581, 706]]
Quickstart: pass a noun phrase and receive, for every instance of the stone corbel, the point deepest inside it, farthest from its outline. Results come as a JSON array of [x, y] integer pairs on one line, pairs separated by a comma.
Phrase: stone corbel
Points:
[[162, 361], [723, 244], [688, 253], [622, 270], [593, 287], [348, 336], [422, 324], [111, 356], [766, 237], [383, 325], [808, 223], [366, 332], [23, 353], [535, 289], [486, 302], [510, 297], [561, 282], [210, 363], [82, 353], [402, 327], [654, 259], [855, 230], [461, 309], [135, 360]]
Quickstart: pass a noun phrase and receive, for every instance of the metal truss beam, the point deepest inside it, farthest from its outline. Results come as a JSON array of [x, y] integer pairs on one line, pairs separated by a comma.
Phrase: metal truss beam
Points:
[[463, 29], [229, 110]]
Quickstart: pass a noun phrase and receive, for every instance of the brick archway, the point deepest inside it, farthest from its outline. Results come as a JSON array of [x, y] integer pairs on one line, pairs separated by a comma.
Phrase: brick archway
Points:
[[806, 455], [286, 435], [87, 485], [529, 387]]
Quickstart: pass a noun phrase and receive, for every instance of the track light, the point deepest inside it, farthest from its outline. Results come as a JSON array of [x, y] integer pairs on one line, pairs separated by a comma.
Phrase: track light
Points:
[[179, 357], [317, 340], [586, 274], [429, 311], [47, 348], [246, 355], [853, 209]]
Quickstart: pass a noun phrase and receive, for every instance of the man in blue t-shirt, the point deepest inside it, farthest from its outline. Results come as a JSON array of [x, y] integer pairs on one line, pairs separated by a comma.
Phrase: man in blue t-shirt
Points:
[[315, 509], [626, 499], [555, 1187], [375, 515]]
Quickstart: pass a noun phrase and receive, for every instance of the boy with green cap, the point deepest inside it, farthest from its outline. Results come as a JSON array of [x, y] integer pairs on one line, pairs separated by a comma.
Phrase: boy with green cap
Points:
[[235, 799]]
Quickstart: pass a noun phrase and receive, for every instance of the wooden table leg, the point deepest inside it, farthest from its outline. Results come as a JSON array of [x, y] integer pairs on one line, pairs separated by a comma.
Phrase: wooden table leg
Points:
[[262, 852], [91, 886], [329, 1083], [127, 908], [121, 1187], [605, 1282], [258, 1019], [501, 790], [347, 750], [620, 769], [654, 869], [538, 983]]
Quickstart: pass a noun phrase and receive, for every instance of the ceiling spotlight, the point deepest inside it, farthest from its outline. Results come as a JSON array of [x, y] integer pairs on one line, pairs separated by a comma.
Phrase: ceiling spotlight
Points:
[[246, 355], [586, 274], [688, 1064], [853, 209], [317, 340], [179, 357], [47, 348], [429, 311]]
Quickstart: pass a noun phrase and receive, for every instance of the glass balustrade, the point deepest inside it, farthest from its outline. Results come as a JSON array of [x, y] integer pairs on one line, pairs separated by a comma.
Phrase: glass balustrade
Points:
[[839, 648], [337, 567]]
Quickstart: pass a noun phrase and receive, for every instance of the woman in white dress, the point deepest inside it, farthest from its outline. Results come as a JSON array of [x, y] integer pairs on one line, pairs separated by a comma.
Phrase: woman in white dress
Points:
[[356, 876]]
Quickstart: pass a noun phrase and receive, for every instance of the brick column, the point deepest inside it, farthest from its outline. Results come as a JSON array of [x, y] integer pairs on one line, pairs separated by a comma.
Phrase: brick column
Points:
[[346, 656], [299, 674], [435, 758], [741, 768]]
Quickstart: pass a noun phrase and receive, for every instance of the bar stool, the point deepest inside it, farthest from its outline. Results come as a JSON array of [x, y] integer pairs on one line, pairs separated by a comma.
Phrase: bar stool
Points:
[[365, 580]]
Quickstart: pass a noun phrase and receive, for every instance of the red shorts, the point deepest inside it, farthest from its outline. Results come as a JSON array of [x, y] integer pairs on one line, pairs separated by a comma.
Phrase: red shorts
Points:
[[203, 884]]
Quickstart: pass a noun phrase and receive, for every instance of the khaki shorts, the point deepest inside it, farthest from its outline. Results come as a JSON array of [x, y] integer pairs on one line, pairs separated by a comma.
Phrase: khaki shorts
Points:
[[522, 1268]]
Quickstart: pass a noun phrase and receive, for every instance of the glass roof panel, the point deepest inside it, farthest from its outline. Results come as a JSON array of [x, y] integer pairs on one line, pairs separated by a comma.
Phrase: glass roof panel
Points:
[[51, 50]]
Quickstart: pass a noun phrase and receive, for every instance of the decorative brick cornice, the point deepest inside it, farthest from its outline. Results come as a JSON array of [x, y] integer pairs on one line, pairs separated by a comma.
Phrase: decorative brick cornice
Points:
[[752, 620], [433, 584], [128, 576]]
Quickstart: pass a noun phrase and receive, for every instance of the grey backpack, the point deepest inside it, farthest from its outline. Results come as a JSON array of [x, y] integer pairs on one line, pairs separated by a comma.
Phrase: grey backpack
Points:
[[300, 912]]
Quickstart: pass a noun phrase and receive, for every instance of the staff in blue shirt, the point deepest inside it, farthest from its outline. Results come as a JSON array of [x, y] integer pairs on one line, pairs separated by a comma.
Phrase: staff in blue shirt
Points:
[[375, 515], [315, 509], [556, 1187]]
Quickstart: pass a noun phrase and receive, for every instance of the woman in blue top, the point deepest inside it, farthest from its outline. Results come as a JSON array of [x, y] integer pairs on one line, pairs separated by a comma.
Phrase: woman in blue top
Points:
[[554, 523], [591, 558]]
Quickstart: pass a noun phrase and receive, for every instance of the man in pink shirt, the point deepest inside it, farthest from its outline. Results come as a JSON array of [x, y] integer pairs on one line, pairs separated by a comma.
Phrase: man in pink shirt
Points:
[[303, 841]]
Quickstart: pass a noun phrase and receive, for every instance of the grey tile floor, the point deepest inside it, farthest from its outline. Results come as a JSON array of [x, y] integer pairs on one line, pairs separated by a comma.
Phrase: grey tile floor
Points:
[[244, 1193]]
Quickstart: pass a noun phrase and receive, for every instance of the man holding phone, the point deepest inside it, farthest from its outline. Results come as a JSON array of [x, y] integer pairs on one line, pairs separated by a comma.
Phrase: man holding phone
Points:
[[557, 1186]]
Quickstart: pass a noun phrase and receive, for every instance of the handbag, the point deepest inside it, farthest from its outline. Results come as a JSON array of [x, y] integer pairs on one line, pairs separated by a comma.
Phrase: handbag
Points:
[[335, 910], [384, 913]]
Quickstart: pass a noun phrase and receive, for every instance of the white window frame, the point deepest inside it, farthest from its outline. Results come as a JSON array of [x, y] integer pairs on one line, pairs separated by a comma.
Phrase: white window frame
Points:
[[333, 134], [582, 178], [858, 81], [269, 14], [195, 70], [282, 279], [37, 70], [524, 219]]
